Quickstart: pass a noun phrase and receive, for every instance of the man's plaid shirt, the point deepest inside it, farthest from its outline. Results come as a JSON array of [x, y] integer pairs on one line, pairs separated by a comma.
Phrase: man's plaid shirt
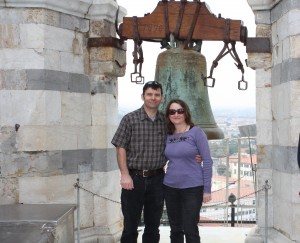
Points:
[[143, 139]]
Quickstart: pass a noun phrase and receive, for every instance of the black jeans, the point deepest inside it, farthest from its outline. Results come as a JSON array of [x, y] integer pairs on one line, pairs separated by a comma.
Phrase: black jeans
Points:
[[183, 208], [147, 195]]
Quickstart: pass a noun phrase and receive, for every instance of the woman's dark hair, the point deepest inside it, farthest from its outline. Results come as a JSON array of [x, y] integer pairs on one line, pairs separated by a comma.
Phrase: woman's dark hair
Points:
[[187, 114]]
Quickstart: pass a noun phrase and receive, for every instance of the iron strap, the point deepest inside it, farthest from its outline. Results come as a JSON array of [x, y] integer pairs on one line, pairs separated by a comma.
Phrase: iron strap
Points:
[[195, 17], [166, 14], [138, 57], [179, 19]]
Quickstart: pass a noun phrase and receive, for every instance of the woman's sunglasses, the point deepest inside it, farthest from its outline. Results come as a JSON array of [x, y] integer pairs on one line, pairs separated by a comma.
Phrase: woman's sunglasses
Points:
[[173, 112]]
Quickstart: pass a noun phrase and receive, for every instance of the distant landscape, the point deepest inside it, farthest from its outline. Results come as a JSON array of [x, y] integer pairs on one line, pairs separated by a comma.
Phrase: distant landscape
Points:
[[248, 112], [232, 112]]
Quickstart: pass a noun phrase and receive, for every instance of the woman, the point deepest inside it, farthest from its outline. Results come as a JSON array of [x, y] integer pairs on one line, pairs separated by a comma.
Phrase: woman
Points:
[[187, 183]]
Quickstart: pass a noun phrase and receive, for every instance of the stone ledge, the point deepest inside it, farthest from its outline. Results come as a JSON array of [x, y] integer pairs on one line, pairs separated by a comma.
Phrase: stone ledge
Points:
[[82, 8], [262, 4]]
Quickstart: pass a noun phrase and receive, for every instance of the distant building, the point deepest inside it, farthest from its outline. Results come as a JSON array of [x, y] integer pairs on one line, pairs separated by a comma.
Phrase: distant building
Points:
[[247, 163]]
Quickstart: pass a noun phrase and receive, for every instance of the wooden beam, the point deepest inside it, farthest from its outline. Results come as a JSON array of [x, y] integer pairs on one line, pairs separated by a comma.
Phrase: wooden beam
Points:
[[208, 26]]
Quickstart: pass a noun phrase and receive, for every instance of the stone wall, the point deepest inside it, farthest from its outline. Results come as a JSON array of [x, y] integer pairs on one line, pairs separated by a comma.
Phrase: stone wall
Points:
[[278, 119], [58, 108]]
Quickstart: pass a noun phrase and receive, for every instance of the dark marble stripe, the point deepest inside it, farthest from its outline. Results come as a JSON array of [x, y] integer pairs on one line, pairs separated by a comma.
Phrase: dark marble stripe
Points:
[[286, 71], [284, 159], [36, 79], [47, 163], [56, 80], [280, 158], [283, 7]]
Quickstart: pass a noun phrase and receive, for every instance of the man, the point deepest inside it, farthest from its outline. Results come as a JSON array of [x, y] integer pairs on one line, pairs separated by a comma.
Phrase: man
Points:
[[140, 142]]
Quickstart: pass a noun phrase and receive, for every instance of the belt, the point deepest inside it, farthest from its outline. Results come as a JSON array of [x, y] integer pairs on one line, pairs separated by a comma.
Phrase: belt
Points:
[[146, 173]]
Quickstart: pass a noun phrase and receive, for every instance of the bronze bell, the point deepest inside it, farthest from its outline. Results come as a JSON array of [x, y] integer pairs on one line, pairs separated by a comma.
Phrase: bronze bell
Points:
[[181, 72]]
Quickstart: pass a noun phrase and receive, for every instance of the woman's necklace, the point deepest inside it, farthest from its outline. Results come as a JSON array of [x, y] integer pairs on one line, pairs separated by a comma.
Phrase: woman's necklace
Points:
[[185, 129], [179, 138]]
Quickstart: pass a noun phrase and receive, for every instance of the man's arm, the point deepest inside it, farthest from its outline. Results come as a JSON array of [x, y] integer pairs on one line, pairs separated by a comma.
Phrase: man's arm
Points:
[[126, 180]]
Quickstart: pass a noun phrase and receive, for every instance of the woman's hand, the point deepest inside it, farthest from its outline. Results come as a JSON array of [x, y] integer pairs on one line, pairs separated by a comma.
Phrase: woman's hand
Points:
[[206, 197], [198, 158]]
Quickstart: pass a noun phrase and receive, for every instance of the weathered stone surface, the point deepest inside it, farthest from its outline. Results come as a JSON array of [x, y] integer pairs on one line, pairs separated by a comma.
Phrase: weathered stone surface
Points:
[[106, 8], [103, 84], [101, 28], [102, 135], [284, 7], [76, 109], [72, 63], [38, 138], [52, 60], [294, 131], [77, 8], [54, 189], [104, 110], [262, 4], [9, 34], [264, 132], [105, 185], [107, 68], [108, 61], [263, 103], [284, 219], [7, 139], [263, 30], [22, 164], [13, 79], [288, 25], [277, 56], [9, 190], [262, 17], [51, 163], [45, 36], [281, 107], [44, 108], [294, 46], [259, 60], [263, 78], [264, 156], [23, 108], [70, 22], [21, 59], [40, 16]]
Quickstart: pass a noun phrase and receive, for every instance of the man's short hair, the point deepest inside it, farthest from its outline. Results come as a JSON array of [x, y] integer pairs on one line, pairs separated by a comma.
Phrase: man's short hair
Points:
[[152, 84]]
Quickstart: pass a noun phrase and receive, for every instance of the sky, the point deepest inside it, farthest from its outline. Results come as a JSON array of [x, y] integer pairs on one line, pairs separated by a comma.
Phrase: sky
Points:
[[225, 94]]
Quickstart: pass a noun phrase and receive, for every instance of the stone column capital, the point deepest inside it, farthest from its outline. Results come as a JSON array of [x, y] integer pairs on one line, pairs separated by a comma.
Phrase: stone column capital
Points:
[[262, 4], [105, 9], [90, 9]]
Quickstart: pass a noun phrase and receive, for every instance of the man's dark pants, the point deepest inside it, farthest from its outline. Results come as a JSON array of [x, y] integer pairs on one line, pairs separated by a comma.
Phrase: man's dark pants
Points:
[[147, 195]]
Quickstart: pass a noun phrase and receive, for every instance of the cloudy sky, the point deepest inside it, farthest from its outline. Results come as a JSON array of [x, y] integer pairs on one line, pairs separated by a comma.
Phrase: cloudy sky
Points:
[[225, 94]]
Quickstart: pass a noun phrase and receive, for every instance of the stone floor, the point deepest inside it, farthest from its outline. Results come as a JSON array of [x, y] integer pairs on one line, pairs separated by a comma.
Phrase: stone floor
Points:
[[210, 234]]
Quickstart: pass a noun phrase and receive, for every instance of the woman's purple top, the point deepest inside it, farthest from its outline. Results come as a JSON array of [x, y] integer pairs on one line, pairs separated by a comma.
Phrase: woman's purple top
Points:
[[183, 170]]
